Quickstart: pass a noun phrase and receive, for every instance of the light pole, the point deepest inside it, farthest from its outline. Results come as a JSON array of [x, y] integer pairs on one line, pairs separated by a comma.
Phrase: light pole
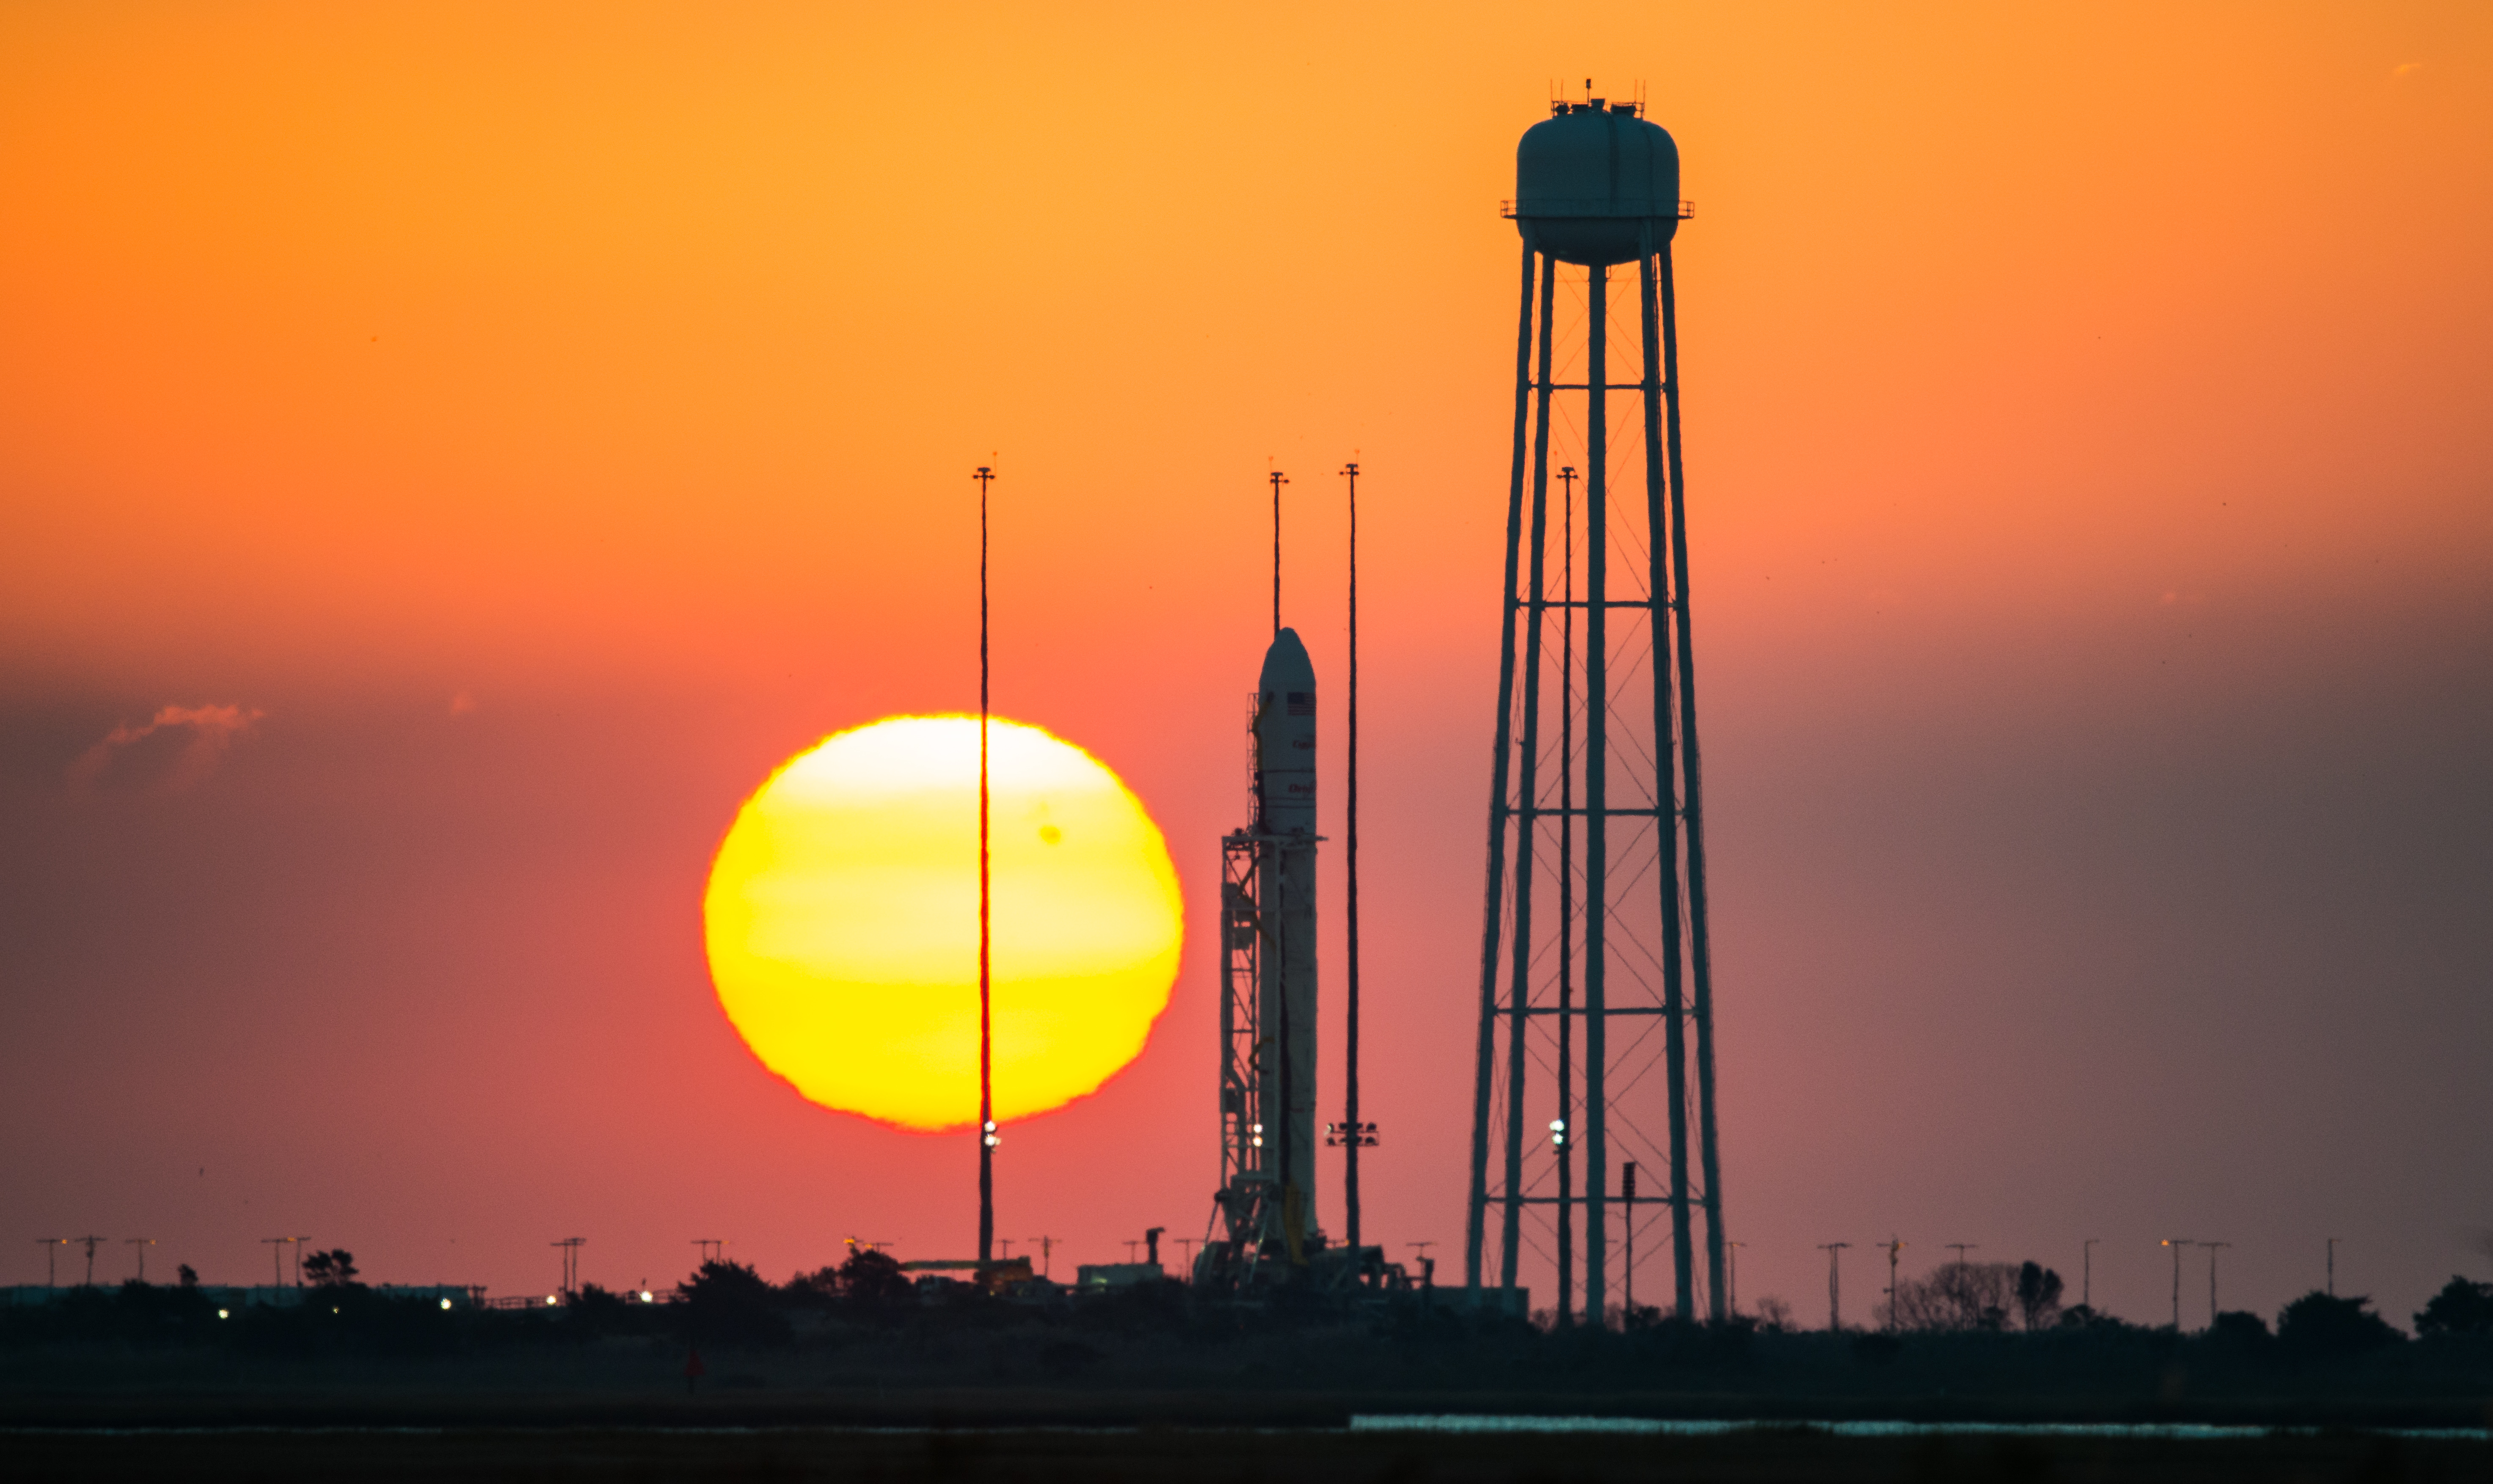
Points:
[[2211, 1279], [1354, 1134], [571, 1246], [1959, 1249], [2177, 1243], [1834, 1285], [143, 1243], [52, 1246], [1894, 1248], [987, 1139]]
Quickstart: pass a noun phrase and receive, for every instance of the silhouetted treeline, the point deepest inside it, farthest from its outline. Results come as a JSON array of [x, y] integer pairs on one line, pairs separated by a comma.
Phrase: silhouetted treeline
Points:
[[866, 1322]]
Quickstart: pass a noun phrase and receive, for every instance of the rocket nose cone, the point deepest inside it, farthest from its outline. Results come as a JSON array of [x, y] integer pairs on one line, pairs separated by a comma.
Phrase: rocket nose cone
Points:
[[1286, 666]]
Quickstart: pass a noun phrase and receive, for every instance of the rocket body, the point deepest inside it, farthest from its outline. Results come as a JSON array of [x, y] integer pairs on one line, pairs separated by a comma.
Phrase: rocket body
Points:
[[1285, 805]]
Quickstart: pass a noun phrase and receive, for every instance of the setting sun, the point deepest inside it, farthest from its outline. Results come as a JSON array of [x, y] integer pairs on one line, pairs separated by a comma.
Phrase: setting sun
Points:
[[842, 921]]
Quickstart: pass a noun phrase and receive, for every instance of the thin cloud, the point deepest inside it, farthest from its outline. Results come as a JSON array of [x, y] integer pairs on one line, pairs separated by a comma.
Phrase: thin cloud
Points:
[[190, 742]]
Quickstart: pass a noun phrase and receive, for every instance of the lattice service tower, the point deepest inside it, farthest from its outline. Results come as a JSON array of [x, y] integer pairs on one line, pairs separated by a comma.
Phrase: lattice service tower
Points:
[[1595, 946]]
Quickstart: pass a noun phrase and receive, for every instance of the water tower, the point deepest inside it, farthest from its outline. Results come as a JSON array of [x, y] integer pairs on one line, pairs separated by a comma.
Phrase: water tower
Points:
[[1595, 965]]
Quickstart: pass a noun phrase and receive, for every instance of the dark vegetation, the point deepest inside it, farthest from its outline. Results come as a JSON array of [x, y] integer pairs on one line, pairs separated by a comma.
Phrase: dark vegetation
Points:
[[865, 1342]]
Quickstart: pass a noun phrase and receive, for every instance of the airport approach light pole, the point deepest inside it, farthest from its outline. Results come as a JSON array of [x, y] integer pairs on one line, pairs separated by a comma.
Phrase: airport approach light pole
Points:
[[986, 977]]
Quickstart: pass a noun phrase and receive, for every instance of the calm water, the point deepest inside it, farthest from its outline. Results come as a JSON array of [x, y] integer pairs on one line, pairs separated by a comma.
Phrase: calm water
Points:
[[1661, 1427]]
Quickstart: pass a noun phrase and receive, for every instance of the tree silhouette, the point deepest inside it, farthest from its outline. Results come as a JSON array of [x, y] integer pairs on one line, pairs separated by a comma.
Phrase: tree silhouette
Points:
[[874, 1279], [729, 1301], [334, 1268], [2038, 1294], [2460, 1308], [2317, 1324]]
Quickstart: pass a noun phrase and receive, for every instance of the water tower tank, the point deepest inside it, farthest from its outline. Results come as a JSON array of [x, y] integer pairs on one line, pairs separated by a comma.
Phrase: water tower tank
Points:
[[1591, 178]]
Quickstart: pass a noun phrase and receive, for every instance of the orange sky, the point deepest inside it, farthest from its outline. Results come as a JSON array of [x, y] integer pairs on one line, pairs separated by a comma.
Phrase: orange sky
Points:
[[2087, 418]]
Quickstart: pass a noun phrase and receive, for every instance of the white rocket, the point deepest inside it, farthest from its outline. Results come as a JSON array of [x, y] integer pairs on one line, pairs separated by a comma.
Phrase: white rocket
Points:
[[1285, 827]]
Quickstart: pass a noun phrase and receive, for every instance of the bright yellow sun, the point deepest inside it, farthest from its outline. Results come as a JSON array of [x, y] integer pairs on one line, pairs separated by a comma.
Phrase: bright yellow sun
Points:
[[842, 917]]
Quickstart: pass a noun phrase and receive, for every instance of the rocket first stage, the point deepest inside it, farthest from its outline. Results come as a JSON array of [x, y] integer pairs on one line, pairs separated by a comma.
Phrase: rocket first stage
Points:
[[1268, 1020]]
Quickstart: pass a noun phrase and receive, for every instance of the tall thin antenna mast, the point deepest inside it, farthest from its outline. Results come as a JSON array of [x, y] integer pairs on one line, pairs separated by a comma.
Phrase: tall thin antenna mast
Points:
[[986, 979], [1834, 1284], [1567, 902], [1355, 1133], [1279, 479]]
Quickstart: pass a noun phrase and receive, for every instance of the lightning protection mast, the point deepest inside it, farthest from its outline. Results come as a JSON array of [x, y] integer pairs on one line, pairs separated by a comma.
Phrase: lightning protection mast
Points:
[[1597, 190]]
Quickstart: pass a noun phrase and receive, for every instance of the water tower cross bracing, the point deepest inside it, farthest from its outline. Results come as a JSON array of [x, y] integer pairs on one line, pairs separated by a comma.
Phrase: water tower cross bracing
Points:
[[1596, 967]]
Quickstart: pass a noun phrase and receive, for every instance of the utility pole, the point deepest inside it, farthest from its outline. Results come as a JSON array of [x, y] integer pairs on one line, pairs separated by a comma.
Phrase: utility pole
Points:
[[276, 1259], [1046, 1251], [1959, 1249], [2332, 1267], [1355, 1134], [1834, 1285], [52, 1246], [91, 1243], [2177, 1243], [1427, 1264], [714, 1249], [987, 1139], [143, 1243], [2086, 1294], [571, 1246], [2211, 1279], [1894, 1248], [1185, 1246], [298, 1259]]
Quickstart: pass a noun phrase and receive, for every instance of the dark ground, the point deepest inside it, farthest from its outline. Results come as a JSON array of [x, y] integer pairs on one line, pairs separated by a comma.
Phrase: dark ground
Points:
[[1205, 1456], [1145, 1392]]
